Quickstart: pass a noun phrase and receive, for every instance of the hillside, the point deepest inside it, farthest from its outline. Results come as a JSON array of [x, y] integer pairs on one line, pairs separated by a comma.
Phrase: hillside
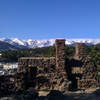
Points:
[[6, 46]]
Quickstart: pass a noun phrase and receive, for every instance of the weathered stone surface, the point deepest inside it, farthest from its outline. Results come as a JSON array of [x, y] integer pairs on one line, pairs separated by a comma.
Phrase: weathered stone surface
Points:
[[80, 49], [60, 53], [87, 83]]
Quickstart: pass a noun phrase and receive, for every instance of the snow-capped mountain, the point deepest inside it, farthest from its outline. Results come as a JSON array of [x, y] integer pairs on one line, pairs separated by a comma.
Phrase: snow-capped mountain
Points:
[[29, 43], [44, 43]]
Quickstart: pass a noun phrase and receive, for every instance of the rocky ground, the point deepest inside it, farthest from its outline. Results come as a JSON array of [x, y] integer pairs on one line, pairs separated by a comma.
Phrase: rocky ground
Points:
[[54, 95]]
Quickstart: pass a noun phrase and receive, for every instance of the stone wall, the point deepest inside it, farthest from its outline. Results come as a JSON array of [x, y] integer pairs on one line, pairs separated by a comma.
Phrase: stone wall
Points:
[[35, 72], [40, 62]]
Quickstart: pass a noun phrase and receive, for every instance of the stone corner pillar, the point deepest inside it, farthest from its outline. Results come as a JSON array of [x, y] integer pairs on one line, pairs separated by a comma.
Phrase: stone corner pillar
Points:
[[60, 53]]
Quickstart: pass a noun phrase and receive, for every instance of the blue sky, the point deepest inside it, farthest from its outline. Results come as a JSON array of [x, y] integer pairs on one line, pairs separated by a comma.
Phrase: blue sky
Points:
[[45, 19]]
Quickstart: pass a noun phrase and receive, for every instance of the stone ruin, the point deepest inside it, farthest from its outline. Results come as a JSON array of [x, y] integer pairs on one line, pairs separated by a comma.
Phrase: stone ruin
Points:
[[57, 73], [53, 73]]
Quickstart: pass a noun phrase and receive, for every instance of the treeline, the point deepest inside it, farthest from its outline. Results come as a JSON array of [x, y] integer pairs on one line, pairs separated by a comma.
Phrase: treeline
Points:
[[94, 52], [12, 56]]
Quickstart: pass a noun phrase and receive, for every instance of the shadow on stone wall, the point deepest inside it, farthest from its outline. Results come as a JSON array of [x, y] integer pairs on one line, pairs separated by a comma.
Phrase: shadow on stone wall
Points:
[[73, 77]]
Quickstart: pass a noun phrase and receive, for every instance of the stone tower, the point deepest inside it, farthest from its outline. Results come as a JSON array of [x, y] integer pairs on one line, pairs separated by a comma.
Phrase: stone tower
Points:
[[62, 82], [60, 53]]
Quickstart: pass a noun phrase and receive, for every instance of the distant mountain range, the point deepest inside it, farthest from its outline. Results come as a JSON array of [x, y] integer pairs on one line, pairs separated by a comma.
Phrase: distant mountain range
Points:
[[15, 43]]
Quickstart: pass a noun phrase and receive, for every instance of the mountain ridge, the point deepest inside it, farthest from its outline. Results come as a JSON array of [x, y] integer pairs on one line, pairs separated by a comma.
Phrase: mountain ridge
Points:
[[21, 44], [6, 46]]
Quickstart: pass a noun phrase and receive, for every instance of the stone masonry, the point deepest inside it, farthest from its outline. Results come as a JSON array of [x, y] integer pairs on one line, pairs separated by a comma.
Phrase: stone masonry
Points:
[[82, 71], [80, 49], [60, 53], [58, 72], [35, 72]]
